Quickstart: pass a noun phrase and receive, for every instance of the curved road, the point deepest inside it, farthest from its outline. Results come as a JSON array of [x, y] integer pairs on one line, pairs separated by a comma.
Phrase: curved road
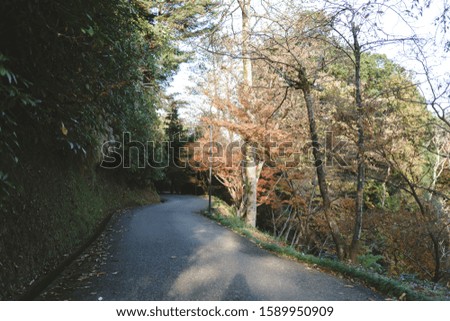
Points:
[[170, 252]]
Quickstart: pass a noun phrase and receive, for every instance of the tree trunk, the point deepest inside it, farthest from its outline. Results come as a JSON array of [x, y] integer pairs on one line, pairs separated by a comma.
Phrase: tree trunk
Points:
[[246, 31], [251, 167], [430, 228], [360, 180], [383, 197], [251, 182], [320, 171]]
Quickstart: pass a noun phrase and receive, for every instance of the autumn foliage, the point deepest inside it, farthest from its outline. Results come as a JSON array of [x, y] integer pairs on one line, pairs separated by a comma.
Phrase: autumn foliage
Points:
[[301, 114]]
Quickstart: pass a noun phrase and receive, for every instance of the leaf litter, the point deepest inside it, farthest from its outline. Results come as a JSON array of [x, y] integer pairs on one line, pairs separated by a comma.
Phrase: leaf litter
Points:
[[81, 274]]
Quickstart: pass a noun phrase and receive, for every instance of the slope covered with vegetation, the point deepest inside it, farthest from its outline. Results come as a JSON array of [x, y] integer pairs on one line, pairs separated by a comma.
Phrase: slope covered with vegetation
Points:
[[75, 77]]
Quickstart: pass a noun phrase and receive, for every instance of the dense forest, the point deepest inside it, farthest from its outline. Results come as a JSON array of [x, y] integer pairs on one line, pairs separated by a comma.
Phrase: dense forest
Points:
[[312, 132]]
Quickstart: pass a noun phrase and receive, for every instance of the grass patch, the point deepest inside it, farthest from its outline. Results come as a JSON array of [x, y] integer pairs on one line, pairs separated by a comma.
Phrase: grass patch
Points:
[[389, 287]]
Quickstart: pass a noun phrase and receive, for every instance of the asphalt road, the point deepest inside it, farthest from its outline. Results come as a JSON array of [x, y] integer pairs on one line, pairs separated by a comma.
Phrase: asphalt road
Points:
[[170, 252]]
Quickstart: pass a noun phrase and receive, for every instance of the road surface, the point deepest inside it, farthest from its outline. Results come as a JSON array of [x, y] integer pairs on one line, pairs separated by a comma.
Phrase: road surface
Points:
[[169, 251]]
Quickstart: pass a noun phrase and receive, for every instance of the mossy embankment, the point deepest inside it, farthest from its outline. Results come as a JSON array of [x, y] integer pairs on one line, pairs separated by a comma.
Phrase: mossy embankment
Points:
[[55, 208]]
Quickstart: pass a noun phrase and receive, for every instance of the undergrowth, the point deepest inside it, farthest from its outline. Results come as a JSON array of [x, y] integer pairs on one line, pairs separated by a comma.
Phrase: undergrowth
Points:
[[391, 288]]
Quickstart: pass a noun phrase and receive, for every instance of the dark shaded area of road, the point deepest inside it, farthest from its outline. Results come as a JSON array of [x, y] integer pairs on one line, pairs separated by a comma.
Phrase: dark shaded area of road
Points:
[[171, 252]]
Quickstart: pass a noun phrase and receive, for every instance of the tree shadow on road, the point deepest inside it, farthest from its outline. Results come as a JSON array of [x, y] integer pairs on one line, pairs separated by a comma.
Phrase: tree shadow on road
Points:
[[238, 290]]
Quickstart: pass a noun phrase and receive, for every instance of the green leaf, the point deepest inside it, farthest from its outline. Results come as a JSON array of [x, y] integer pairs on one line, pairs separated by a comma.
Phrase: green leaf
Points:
[[90, 31]]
